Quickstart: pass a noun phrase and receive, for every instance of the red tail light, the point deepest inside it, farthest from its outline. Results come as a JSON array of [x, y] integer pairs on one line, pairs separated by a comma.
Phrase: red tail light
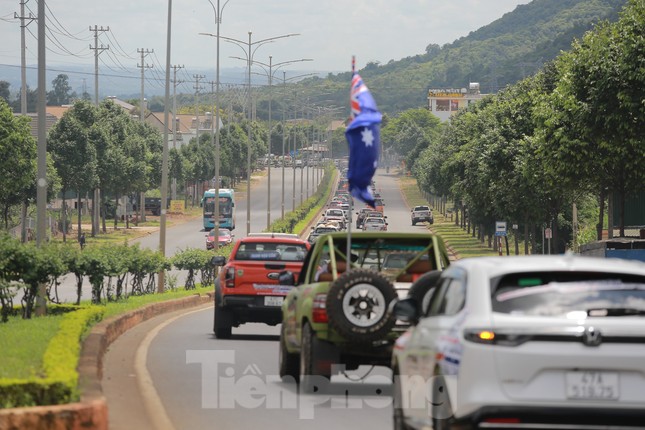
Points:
[[319, 309], [502, 420], [229, 278]]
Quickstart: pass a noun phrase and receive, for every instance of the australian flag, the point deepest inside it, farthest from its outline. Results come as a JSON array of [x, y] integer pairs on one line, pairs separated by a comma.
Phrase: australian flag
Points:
[[363, 136]]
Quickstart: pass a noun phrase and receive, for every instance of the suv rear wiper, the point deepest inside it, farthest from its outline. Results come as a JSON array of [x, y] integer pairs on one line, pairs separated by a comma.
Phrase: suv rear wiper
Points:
[[614, 312]]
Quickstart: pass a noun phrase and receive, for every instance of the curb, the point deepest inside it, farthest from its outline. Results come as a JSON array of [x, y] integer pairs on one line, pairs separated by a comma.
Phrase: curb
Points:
[[92, 410]]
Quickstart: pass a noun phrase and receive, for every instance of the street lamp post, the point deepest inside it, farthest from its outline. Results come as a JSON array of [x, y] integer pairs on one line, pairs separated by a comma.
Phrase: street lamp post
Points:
[[269, 74], [249, 51], [218, 18]]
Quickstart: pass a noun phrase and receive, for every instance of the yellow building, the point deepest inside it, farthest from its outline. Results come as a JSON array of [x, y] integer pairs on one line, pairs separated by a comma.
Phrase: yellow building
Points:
[[445, 102]]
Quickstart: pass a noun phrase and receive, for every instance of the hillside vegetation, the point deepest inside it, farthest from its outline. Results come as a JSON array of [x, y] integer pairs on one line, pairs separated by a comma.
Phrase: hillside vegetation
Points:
[[513, 47]]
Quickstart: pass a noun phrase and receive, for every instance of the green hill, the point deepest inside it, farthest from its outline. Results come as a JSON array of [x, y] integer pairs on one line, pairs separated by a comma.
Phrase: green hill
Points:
[[501, 53]]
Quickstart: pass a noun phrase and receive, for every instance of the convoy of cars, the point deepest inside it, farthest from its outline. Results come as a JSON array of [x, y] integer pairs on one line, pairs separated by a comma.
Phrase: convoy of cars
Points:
[[488, 342]]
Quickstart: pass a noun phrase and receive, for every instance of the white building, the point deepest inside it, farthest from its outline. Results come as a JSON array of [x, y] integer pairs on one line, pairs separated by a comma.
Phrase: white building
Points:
[[445, 102]]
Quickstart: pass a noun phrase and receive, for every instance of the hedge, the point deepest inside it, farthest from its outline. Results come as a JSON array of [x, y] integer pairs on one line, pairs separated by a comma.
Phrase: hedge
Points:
[[60, 380]]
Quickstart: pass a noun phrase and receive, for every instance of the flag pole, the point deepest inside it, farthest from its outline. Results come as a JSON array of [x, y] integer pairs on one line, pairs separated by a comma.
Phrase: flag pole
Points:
[[351, 203]]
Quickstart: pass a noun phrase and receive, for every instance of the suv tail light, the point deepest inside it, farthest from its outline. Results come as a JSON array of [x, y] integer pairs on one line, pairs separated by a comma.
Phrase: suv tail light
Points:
[[229, 277], [491, 337], [319, 309]]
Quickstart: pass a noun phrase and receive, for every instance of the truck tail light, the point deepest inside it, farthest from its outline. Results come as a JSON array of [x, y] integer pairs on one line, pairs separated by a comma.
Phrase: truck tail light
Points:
[[319, 309], [229, 277]]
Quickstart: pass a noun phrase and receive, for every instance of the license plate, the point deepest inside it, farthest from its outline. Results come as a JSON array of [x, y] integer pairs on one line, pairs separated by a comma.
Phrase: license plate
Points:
[[592, 385], [273, 301]]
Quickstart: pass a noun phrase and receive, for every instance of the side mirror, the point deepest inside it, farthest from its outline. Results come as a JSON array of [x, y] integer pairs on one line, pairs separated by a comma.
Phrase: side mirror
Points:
[[218, 260], [286, 278], [406, 310]]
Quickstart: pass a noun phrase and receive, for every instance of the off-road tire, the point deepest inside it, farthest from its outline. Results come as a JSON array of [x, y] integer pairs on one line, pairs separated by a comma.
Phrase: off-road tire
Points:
[[289, 363], [356, 294], [421, 289], [223, 323], [309, 367]]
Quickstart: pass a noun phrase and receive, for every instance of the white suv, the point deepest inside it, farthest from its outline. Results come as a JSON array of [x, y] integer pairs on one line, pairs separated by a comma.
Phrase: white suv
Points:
[[536, 342]]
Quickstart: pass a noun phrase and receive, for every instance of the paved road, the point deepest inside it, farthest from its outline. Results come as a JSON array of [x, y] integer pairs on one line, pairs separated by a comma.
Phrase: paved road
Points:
[[195, 392]]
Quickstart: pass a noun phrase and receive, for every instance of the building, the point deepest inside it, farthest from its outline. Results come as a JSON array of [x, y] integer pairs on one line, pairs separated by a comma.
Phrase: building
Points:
[[445, 102]]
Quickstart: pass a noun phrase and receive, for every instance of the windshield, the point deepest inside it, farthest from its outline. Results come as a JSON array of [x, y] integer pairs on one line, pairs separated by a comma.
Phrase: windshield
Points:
[[225, 205], [568, 293]]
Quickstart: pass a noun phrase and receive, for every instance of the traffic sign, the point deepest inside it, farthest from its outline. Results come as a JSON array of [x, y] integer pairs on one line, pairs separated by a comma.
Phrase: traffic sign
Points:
[[500, 228], [548, 233]]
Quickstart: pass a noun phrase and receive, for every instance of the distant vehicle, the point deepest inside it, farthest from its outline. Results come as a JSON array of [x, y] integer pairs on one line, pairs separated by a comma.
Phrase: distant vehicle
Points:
[[374, 224], [420, 214], [226, 208], [247, 288], [299, 163], [322, 229], [527, 342], [225, 238], [379, 205]]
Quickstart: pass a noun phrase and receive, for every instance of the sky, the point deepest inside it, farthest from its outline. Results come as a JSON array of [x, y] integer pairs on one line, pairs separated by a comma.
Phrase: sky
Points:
[[328, 31]]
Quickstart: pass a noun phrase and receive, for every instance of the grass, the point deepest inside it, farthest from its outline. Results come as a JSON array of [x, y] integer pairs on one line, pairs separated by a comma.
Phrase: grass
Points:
[[23, 343], [455, 237], [135, 302]]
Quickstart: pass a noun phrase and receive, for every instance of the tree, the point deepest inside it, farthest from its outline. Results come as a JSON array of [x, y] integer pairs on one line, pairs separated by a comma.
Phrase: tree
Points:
[[17, 160], [4, 91], [71, 143], [61, 94]]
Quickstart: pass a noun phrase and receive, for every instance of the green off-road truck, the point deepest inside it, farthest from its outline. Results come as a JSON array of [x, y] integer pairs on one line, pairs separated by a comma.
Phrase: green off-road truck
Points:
[[338, 317]]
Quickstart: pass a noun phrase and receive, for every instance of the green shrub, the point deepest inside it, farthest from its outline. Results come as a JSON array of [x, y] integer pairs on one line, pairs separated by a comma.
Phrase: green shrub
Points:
[[59, 384]]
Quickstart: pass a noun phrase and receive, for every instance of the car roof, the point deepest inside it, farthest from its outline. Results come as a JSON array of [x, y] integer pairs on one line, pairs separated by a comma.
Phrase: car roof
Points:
[[273, 237], [499, 266]]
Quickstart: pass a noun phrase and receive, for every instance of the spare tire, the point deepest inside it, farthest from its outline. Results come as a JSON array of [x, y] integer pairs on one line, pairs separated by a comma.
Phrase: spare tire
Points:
[[357, 305], [421, 290]]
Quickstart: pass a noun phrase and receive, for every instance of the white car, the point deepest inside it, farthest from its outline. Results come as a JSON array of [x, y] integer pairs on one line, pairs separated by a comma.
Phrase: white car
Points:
[[374, 224], [534, 342]]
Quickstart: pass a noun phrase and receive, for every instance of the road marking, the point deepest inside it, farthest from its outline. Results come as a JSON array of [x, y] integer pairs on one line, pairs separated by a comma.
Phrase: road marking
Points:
[[151, 400]]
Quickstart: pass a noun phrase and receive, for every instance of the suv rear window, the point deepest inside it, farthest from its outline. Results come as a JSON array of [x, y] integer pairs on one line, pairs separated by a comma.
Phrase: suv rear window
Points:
[[421, 208], [555, 294], [271, 251]]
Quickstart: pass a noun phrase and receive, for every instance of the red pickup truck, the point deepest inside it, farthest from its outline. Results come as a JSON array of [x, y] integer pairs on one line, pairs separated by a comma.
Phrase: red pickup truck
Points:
[[247, 288]]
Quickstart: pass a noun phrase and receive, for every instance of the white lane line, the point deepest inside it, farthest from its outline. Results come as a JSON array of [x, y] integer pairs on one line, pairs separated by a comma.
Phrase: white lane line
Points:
[[151, 400]]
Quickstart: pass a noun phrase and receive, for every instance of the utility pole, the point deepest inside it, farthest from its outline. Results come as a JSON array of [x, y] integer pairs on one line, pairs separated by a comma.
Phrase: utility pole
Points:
[[97, 50], [41, 183], [24, 22], [142, 117], [174, 121], [197, 87]]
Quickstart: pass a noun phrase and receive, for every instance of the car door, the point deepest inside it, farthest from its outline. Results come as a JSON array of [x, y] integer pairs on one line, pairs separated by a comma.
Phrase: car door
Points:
[[434, 348]]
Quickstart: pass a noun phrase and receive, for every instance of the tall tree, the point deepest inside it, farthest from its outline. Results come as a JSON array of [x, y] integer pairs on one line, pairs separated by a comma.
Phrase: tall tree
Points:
[[71, 142], [61, 92], [17, 160]]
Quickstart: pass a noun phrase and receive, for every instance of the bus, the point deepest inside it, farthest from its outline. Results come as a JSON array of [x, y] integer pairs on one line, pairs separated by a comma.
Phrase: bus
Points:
[[226, 208]]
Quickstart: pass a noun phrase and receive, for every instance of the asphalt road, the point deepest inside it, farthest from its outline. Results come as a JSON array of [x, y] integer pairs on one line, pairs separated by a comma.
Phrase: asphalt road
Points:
[[184, 378]]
